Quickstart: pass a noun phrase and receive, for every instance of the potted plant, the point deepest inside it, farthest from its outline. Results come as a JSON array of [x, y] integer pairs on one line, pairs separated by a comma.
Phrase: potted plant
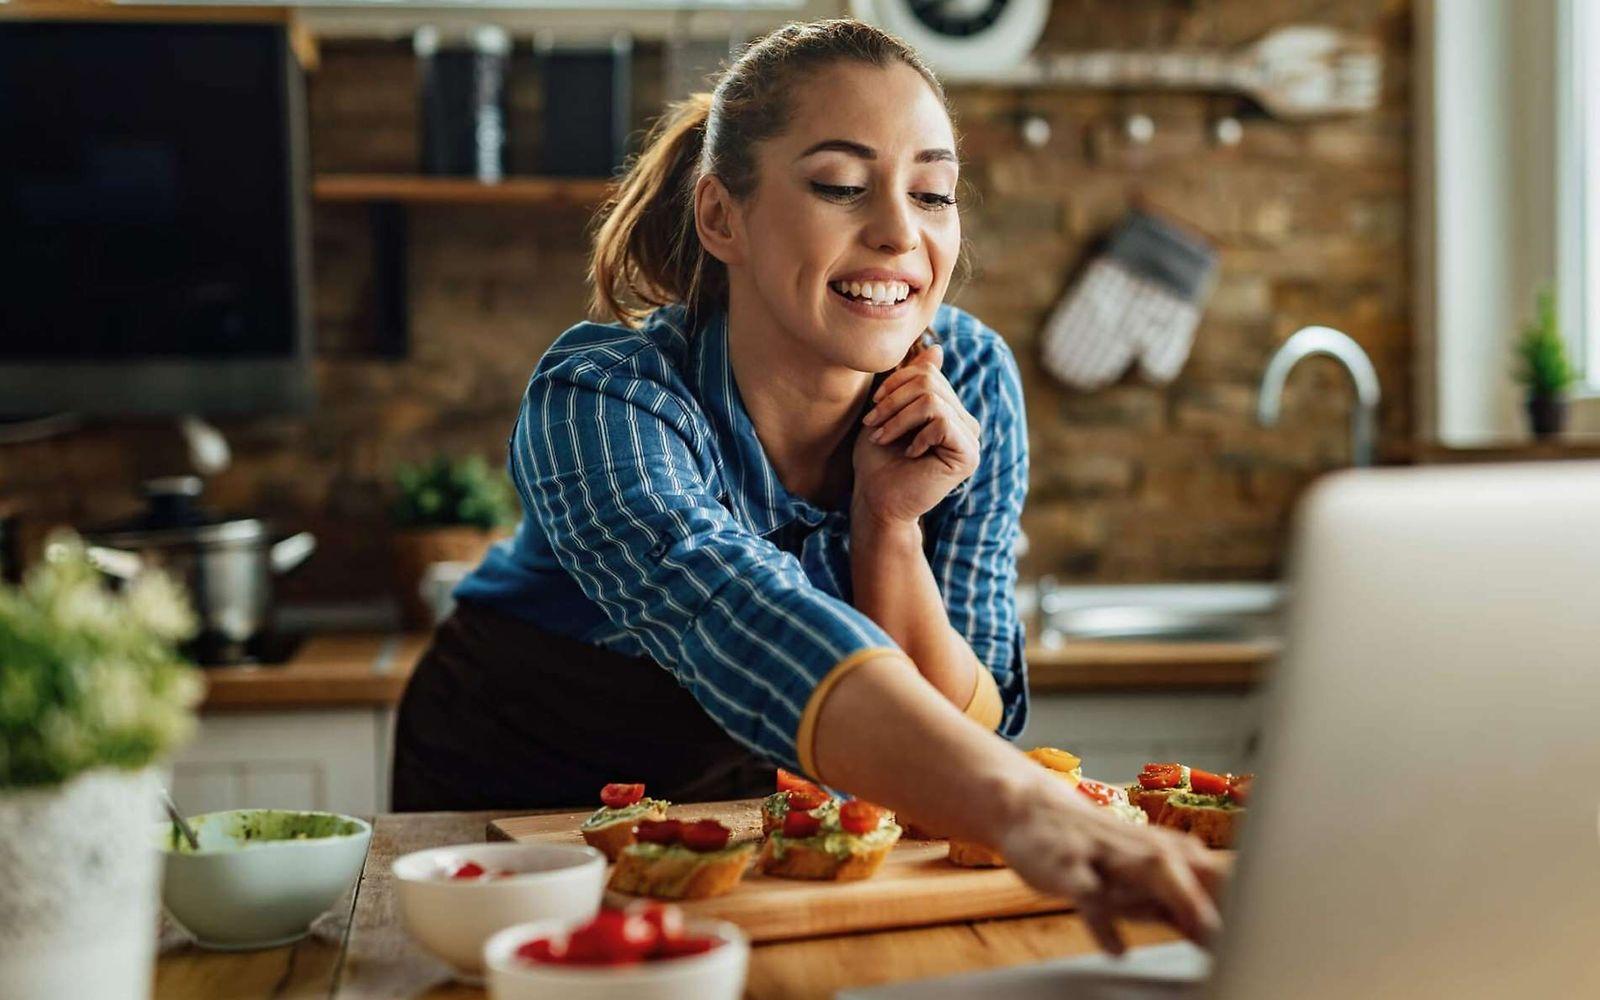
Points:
[[1544, 370], [92, 695], [446, 510]]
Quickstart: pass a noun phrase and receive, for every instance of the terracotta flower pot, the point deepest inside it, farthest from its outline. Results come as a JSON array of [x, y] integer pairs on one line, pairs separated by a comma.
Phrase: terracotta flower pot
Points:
[[415, 549]]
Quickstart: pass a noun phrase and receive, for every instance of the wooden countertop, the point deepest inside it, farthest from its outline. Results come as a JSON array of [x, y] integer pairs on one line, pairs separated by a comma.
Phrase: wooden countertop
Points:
[[1079, 667], [343, 669], [329, 670], [359, 950]]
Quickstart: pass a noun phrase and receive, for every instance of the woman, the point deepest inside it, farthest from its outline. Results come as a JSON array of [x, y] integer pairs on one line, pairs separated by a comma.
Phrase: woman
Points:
[[772, 524]]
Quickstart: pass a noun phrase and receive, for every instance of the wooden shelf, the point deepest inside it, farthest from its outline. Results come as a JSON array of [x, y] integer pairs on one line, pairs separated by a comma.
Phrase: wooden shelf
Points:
[[459, 190]]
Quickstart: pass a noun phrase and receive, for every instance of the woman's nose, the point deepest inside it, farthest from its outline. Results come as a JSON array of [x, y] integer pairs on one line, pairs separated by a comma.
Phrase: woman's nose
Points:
[[892, 229]]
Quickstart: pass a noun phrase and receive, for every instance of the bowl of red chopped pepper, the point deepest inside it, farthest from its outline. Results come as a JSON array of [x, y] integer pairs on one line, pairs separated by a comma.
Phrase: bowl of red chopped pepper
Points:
[[453, 898], [647, 949]]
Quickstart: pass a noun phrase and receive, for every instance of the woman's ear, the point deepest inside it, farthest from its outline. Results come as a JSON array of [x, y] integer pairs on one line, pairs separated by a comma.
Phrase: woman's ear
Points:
[[717, 222]]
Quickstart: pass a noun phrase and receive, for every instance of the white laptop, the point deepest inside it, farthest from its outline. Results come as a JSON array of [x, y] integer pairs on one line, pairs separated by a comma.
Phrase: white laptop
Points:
[[1427, 818]]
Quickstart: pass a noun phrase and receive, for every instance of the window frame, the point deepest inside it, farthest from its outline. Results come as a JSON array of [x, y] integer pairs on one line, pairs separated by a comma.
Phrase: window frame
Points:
[[1578, 187]]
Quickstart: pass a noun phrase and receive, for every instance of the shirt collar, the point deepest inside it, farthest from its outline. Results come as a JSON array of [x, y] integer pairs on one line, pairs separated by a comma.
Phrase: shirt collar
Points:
[[755, 493]]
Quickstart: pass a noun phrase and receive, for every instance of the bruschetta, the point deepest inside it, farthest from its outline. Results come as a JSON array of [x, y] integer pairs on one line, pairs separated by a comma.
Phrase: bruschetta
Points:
[[610, 828], [843, 843], [672, 859]]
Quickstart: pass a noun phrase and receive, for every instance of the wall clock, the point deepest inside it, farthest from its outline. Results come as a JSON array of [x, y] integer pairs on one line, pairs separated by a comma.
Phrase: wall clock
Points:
[[962, 39]]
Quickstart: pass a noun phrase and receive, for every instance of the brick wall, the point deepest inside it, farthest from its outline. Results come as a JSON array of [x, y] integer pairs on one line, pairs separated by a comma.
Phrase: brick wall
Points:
[[1133, 483]]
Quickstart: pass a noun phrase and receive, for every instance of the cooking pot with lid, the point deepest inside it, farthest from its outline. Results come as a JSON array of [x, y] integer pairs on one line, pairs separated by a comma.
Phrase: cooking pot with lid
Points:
[[227, 562]]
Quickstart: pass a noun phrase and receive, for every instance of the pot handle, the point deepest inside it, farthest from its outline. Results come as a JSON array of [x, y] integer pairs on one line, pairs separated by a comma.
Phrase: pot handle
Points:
[[115, 562], [292, 551]]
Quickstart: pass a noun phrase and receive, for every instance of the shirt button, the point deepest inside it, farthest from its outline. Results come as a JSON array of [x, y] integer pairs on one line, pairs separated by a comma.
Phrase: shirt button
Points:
[[659, 549]]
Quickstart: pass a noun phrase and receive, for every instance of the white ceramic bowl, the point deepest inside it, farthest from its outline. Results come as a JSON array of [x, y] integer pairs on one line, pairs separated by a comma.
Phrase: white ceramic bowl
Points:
[[237, 892], [453, 919], [716, 975]]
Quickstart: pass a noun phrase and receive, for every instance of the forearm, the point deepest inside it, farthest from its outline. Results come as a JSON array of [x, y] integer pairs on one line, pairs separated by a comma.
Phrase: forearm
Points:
[[883, 734], [894, 586]]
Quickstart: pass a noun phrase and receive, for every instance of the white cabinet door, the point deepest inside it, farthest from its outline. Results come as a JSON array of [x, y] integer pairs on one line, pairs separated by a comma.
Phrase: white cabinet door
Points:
[[336, 760], [1116, 734]]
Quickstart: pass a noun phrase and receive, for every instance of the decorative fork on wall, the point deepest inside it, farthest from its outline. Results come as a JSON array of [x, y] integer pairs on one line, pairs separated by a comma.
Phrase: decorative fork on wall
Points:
[[1293, 72]]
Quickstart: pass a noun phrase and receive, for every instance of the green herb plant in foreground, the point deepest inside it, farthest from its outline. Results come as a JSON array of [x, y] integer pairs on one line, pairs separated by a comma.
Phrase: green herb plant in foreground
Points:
[[90, 677]]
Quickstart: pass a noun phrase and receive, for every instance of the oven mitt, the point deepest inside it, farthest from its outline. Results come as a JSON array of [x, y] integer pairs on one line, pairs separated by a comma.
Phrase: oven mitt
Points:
[[1139, 300]]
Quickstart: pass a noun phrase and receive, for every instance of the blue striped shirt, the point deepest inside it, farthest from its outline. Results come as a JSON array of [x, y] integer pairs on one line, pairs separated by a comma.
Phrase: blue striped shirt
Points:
[[655, 526]]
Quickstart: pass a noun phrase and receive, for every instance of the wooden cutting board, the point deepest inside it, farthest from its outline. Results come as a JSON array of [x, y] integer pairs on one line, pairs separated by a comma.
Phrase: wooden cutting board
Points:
[[915, 886]]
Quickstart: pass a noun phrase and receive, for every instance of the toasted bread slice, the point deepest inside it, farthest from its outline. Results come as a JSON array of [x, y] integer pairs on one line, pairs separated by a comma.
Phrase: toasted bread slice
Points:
[[802, 860], [1216, 826], [611, 839], [773, 808], [679, 873], [1152, 800], [916, 831], [970, 854]]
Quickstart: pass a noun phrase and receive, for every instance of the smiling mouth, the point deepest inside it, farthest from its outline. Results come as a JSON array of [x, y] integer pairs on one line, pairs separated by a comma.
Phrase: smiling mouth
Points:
[[876, 293]]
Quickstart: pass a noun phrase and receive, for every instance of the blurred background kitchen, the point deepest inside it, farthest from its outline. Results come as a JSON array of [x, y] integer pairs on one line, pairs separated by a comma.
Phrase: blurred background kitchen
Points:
[[275, 279]]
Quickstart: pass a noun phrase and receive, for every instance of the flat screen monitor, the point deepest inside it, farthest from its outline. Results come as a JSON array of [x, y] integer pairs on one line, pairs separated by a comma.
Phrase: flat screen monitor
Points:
[[153, 245]]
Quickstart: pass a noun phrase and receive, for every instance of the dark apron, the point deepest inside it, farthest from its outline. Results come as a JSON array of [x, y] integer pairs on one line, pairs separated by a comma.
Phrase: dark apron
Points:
[[500, 714]]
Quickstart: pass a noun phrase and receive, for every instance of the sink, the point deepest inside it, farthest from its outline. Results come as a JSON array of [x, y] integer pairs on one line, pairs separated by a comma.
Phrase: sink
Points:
[[1169, 612]]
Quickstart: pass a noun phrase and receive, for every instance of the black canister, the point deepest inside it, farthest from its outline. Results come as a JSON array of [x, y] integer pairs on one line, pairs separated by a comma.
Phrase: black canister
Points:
[[588, 104], [10, 548], [463, 102]]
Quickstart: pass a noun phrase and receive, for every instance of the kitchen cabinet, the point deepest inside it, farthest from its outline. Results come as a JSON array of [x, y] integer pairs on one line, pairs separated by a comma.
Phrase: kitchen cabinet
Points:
[[333, 759], [1116, 733]]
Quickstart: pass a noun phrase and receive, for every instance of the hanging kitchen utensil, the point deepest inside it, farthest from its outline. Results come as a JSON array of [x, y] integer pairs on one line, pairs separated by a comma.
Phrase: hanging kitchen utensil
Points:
[[1294, 72], [226, 562]]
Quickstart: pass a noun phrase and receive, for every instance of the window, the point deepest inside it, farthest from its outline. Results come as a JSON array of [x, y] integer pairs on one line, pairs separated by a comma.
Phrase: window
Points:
[[1579, 185]]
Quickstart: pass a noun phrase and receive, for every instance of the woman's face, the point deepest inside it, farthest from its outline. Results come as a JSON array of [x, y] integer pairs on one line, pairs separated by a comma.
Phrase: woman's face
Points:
[[860, 189]]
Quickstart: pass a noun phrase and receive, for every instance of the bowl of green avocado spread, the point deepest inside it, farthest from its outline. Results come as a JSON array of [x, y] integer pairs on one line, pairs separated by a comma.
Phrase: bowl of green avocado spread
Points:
[[259, 876]]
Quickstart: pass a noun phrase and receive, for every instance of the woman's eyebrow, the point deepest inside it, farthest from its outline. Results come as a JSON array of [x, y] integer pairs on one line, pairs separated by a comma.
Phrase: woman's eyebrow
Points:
[[868, 153]]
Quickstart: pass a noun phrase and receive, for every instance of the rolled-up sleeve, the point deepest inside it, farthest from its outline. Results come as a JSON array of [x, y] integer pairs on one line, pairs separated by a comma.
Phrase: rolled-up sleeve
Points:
[[974, 536], [606, 458]]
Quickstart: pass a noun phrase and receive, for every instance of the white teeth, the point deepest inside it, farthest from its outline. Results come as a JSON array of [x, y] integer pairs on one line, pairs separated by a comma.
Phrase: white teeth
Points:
[[875, 292]]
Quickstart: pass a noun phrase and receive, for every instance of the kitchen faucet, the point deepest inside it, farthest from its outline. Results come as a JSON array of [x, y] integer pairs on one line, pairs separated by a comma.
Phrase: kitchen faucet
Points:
[[1313, 340]]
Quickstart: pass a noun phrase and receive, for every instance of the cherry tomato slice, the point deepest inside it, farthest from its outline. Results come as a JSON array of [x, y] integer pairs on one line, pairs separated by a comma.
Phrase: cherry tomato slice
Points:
[[1161, 776], [859, 816], [788, 781], [613, 937], [684, 947], [705, 835], [658, 831], [551, 949], [470, 869], [1206, 783], [1097, 791], [668, 919], [806, 798], [800, 824], [1239, 790], [621, 796]]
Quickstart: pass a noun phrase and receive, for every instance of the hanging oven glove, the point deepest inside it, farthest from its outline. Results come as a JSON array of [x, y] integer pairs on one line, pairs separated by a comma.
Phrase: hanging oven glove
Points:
[[1141, 299]]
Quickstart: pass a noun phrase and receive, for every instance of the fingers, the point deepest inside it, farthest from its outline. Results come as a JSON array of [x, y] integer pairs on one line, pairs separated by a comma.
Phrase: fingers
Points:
[[914, 388], [930, 359], [1104, 929], [911, 416], [1190, 906]]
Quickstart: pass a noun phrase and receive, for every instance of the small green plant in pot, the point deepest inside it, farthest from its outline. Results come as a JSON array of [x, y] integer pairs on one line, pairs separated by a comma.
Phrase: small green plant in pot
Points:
[[447, 510], [1543, 368], [93, 696]]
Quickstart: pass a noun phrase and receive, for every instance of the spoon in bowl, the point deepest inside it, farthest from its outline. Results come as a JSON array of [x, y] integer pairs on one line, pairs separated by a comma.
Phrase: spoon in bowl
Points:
[[178, 822]]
